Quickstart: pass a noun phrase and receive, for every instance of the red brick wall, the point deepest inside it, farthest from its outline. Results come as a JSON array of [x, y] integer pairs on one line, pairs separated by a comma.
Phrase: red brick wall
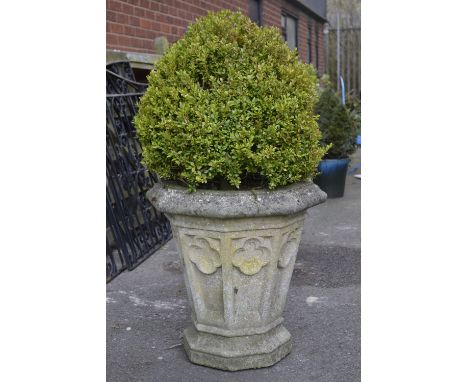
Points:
[[132, 25], [271, 15]]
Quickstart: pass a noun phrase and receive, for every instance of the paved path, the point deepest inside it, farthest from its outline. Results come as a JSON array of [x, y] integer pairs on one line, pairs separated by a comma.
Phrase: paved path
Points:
[[147, 309]]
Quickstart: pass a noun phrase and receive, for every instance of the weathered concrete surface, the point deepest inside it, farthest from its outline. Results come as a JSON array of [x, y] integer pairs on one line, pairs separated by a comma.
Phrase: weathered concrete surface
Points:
[[237, 353], [238, 249], [173, 199], [237, 273], [147, 309]]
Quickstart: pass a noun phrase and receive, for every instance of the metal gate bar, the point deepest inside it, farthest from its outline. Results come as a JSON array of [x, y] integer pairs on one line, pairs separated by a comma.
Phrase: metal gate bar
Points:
[[135, 230]]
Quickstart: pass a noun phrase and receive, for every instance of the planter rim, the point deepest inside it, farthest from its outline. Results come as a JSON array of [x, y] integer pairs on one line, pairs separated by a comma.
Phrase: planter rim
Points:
[[170, 198], [348, 159]]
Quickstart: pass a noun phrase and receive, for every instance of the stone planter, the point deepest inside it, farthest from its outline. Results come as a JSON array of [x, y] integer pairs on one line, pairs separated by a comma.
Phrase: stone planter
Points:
[[238, 250]]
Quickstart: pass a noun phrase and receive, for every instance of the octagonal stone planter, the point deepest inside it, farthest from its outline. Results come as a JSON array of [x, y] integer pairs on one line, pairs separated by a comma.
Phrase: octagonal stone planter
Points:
[[237, 249]]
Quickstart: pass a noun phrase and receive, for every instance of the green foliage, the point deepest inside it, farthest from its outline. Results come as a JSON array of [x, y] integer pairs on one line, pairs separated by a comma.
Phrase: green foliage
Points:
[[353, 103], [230, 103], [336, 124]]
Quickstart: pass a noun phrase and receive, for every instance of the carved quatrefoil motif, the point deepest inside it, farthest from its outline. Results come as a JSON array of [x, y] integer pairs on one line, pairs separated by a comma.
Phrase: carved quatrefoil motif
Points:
[[204, 256], [251, 257], [289, 248]]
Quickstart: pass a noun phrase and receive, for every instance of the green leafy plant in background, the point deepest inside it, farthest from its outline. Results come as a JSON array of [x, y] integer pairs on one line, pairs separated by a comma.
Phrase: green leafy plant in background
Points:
[[336, 124], [353, 103], [230, 106]]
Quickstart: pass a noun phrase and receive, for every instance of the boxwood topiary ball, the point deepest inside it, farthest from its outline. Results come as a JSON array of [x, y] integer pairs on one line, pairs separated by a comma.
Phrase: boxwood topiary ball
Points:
[[230, 104]]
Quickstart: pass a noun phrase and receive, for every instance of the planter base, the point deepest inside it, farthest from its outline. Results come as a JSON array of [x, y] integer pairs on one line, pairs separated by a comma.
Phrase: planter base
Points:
[[237, 353]]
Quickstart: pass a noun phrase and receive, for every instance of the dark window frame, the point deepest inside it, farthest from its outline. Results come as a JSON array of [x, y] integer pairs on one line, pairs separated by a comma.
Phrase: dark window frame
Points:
[[317, 48], [309, 43], [286, 14], [259, 10]]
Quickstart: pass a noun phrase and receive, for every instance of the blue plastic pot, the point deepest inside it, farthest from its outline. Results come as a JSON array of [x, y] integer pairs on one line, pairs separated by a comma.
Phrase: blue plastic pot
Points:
[[332, 177]]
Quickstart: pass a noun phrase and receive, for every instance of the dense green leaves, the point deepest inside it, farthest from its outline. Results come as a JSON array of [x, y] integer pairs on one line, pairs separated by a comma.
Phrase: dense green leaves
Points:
[[230, 102], [336, 124]]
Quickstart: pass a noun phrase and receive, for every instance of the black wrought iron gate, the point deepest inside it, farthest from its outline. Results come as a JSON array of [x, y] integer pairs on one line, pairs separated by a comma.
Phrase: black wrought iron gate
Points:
[[134, 228]]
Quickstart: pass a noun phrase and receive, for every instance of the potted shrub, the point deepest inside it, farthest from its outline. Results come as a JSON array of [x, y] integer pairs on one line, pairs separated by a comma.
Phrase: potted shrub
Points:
[[338, 129], [227, 123], [353, 103]]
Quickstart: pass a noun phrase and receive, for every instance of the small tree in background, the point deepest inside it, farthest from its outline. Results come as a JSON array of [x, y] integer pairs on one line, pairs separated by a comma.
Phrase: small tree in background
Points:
[[336, 124]]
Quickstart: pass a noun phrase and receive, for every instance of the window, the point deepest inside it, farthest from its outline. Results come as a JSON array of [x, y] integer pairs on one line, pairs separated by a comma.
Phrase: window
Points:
[[289, 30], [313, 35], [317, 34], [309, 44], [254, 11]]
